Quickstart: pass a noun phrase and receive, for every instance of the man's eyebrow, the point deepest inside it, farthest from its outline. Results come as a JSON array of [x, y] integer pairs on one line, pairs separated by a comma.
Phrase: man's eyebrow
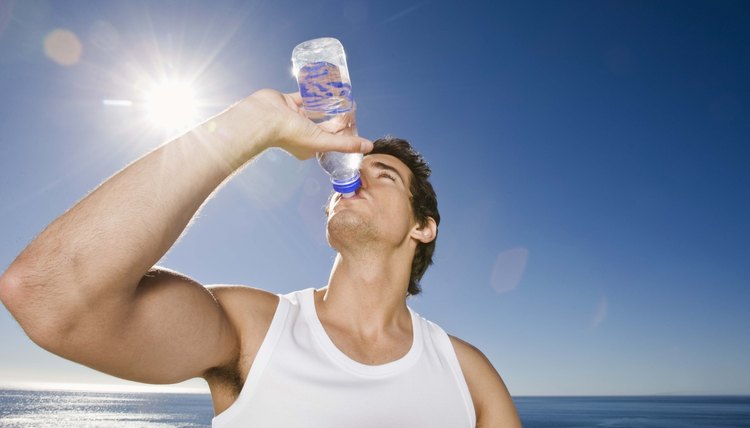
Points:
[[385, 166]]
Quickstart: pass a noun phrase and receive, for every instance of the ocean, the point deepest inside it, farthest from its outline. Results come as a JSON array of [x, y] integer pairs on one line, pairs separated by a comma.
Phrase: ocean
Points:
[[635, 412], [68, 409], [76, 409]]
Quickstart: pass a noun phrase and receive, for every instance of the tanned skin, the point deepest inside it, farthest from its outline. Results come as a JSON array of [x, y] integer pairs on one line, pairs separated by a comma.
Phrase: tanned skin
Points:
[[87, 288]]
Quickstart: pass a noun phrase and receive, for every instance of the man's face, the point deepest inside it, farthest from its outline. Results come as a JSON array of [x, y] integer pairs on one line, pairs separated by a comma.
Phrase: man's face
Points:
[[380, 210]]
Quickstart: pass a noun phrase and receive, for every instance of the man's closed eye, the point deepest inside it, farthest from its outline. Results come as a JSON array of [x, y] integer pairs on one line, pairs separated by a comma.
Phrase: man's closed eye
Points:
[[386, 175]]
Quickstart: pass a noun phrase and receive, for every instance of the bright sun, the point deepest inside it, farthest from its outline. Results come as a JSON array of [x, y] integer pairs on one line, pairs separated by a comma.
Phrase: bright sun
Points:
[[171, 105]]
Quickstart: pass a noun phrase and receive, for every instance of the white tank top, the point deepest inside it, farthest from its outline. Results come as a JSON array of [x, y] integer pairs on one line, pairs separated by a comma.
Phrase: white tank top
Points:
[[300, 379]]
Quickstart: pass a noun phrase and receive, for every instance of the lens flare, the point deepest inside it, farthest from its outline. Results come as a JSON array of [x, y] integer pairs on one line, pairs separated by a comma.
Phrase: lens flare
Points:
[[600, 313], [104, 36], [63, 47], [6, 13], [508, 269]]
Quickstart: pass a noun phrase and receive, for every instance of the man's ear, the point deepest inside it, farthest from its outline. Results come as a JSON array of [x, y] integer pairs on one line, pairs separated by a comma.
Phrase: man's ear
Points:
[[425, 233]]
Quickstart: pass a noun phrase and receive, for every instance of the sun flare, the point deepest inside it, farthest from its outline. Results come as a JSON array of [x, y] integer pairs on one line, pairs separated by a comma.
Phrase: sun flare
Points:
[[171, 105]]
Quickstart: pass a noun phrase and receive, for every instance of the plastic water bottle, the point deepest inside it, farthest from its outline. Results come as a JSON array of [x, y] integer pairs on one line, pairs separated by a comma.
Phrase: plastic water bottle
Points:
[[323, 78]]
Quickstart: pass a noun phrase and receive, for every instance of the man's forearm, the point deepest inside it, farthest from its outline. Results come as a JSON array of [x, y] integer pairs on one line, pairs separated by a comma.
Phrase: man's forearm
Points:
[[89, 262], [109, 240]]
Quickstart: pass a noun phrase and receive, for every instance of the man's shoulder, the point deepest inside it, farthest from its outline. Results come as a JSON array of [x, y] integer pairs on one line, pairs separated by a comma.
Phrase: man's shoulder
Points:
[[225, 293], [466, 349], [250, 310], [492, 401], [476, 367], [469, 354]]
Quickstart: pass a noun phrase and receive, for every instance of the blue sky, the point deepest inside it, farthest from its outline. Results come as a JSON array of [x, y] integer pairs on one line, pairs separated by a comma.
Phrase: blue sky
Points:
[[591, 161]]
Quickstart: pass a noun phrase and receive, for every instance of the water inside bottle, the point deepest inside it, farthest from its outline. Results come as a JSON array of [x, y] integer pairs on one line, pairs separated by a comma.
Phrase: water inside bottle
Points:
[[343, 167], [325, 93]]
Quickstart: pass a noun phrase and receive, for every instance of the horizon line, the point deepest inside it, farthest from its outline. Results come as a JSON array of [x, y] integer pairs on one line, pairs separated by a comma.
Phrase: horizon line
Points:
[[171, 389]]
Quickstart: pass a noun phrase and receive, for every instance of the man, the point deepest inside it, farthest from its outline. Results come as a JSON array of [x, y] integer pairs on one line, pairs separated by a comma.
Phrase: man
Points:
[[352, 353]]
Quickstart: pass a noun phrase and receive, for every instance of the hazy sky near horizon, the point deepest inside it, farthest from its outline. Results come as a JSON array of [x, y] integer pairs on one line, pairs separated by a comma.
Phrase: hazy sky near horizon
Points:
[[591, 162]]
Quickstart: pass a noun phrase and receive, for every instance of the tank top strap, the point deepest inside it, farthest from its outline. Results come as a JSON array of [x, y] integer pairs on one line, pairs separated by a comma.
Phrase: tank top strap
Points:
[[442, 343]]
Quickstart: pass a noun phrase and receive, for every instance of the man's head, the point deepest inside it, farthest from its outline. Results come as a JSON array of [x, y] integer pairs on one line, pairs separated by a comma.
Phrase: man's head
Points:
[[422, 201]]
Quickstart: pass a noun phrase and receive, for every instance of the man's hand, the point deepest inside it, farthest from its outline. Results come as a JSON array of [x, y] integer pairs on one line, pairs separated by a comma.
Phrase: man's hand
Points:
[[292, 131]]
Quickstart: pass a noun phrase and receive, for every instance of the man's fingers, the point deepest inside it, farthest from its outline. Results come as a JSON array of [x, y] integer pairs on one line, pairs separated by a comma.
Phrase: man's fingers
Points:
[[344, 143], [365, 145], [326, 137]]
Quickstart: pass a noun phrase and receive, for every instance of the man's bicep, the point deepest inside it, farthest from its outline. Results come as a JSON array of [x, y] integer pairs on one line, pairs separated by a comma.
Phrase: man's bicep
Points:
[[492, 401], [172, 329]]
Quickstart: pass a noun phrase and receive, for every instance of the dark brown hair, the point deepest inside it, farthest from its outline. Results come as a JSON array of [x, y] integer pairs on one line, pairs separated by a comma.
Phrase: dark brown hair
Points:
[[423, 201]]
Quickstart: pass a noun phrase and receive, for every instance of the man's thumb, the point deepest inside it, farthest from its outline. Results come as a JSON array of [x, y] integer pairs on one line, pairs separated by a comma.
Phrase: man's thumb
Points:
[[344, 143]]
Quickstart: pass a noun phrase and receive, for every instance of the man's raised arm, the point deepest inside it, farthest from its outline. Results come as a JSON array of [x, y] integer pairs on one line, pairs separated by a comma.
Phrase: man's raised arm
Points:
[[85, 288]]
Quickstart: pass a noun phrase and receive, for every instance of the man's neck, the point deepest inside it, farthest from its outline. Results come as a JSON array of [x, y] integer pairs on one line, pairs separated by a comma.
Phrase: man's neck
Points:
[[367, 293]]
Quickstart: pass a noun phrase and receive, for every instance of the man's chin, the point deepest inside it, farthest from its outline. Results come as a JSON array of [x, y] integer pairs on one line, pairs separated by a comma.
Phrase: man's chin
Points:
[[346, 228]]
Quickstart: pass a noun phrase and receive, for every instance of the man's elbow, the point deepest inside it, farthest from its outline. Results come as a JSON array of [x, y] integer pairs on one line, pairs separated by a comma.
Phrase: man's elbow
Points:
[[47, 328], [10, 289]]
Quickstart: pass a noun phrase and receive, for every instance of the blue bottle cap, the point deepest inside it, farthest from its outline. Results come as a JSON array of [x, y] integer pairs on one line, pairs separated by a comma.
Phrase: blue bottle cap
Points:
[[347, 188]]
